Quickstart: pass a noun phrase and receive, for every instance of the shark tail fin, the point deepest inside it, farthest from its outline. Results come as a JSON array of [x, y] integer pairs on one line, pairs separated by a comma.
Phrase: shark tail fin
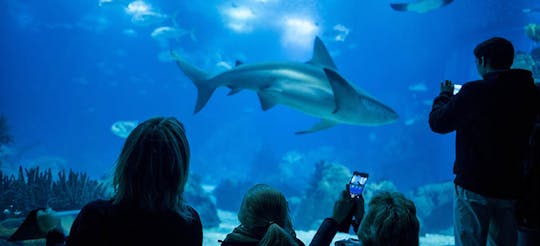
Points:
[[200, 78]]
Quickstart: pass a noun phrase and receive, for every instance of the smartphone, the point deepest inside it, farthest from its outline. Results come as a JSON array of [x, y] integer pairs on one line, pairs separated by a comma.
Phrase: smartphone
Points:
[[457, 87], [357, 183]]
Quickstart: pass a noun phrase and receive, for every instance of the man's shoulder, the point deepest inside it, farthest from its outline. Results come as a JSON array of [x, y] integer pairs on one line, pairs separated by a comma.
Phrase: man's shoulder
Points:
[[474, 85], [478, 82]]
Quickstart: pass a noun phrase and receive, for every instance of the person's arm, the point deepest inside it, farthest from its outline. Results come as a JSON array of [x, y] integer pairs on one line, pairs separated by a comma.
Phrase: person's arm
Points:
[[359, 213], [329, 227], [326, 232], [36, 226], [448, 110], [49, 222]]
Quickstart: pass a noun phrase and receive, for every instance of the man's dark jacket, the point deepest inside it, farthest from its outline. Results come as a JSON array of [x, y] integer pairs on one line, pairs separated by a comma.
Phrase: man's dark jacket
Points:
[[493, 119]]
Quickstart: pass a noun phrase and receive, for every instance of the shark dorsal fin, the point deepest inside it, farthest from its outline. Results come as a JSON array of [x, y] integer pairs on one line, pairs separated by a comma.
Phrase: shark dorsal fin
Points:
[[344, 93], [238, 63], [321, 56]]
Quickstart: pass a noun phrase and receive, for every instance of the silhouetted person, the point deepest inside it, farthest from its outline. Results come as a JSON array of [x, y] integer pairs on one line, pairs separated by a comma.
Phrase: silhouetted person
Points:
[[147, 209], [264, 220], [528, 205], [493, 119]]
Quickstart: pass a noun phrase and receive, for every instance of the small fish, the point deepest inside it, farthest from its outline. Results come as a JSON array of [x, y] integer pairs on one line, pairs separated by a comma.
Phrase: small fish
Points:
[[420, 6], [123, 128], [103, 2], [418, 87], [165, 34], [143, 15], [531, 10]]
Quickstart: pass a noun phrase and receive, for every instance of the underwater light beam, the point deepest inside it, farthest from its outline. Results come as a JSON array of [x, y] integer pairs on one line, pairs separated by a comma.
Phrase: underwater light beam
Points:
[[299, 32], [240, 13]]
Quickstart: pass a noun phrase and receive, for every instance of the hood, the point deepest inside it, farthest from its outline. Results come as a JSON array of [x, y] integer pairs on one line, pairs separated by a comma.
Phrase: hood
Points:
[[241, 235], [514, 75]]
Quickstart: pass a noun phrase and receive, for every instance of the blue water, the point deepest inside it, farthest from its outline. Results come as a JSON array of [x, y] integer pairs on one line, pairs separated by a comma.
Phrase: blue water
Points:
[[70, 69]]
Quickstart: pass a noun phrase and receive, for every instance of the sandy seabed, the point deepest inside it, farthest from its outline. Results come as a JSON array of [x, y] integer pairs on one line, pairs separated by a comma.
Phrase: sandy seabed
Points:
[[229, 222]]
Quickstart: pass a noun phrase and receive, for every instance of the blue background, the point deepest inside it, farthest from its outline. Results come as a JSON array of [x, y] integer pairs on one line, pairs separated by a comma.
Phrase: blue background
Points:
[[70, 69]]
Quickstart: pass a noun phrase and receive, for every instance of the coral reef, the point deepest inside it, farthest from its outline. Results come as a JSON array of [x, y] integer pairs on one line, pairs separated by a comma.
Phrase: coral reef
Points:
[[33, 189], [533, 31], [200, 200], [374, 188], [523, 60], [434, 206], [229, 194], [74, 191], [326, 183]]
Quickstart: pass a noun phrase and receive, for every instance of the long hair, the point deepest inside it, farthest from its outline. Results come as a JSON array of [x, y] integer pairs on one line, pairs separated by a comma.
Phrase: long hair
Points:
[[153, 167], [264, 212], [390, 221]]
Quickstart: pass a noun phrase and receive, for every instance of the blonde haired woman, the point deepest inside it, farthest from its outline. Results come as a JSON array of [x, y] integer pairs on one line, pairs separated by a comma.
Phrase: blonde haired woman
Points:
[[264, 220], [147, 208]]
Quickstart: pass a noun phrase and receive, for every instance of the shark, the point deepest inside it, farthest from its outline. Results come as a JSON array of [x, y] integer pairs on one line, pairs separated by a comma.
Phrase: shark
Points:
[[420, 6], [314, 88]]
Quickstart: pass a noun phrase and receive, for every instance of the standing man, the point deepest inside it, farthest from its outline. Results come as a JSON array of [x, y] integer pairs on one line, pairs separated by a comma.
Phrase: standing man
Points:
[[493, 118]]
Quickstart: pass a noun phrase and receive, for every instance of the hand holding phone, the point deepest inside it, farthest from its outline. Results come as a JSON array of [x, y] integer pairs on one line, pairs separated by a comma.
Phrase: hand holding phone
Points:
[[447, 86], [357, 184], [355, 187]]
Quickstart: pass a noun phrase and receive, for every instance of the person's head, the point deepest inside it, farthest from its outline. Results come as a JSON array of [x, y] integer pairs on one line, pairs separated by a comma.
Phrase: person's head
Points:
[[494, 54], [390, 220], [265, 213], [153, 167]]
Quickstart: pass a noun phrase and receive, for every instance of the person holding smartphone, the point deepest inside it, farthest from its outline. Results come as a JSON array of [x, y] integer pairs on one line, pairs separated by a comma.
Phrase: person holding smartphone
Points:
[[343, 208], [391, 220], [348, 211], [493, 118]]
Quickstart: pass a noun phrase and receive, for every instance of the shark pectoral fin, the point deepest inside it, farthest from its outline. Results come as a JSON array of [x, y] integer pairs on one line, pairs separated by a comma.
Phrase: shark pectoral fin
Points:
[[238, 63], [267, 100], [234, 91], [321, 56], [204, 93], [321, 125], [344, 93]]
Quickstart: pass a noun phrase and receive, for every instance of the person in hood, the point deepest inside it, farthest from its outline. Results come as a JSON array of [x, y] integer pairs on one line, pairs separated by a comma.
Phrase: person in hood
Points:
[[493, 118]]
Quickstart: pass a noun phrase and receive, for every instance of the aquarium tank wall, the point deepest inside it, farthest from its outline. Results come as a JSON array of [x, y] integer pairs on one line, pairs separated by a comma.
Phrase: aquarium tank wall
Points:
[[297, 94]]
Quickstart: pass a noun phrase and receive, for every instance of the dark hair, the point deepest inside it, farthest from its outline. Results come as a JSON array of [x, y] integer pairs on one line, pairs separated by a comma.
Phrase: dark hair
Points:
[[497, 51], [264, 212], [390, 221], [153, 167]]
